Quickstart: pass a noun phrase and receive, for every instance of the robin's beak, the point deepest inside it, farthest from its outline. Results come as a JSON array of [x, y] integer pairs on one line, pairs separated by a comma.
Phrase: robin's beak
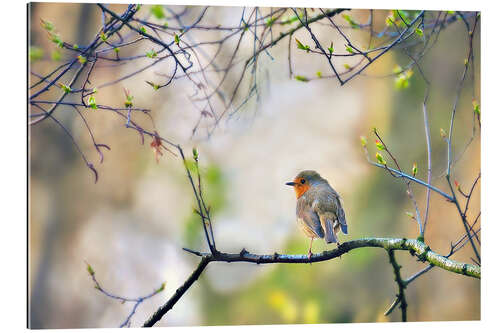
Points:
[[291, 183]]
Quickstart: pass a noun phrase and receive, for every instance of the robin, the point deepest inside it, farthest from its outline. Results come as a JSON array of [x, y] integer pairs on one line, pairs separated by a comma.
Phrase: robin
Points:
[[319, 210]]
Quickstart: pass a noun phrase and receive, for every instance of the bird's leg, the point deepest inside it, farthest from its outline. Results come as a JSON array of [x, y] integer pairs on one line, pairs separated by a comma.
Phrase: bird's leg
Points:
[[310, 247]]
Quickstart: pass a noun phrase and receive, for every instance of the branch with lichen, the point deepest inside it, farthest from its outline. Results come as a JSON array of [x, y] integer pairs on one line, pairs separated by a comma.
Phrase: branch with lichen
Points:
[[416, 248]]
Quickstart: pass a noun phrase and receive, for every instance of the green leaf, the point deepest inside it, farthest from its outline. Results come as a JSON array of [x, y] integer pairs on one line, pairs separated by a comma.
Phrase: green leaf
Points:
[[419, 32], [347, 66], [349, 20], [389, 20], [129, 98], [403, 79], [104, 37], [162, 287], [82, 59], [270, 21], [349, 49], [154, 85], [301, 46], [330, 49], [92, 103], [301, 78], [157, 11], [65, 88], [177, 39], [414, 169], [49, 26], [380, 145], [380, 159], [476, 107], [56, 39], [143, 30], [152, 54], [397, 69], [90, 270]]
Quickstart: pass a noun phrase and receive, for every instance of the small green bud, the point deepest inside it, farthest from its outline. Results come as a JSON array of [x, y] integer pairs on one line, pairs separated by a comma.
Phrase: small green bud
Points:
[[301, 46], [90, 270], [380, 145], [49, 26], [82, 59], [301, 78], [154, 85], [152, 54], [65, 88], [162, 287], [397, 69], [414, 169], [476, 108], [380, 159], [92, 103], [195, 154], [330, 49], [177, 39]]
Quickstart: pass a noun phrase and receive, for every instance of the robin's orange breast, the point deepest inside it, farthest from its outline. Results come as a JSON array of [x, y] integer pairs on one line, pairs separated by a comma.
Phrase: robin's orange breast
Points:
[[300, 189]]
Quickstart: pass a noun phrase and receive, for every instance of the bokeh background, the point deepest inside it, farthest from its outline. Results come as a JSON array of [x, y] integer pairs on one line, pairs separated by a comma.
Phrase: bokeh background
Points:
[[131, 225]]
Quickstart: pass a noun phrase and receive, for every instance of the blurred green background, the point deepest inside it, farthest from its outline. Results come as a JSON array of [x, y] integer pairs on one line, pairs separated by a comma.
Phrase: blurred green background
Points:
[[131, 225]]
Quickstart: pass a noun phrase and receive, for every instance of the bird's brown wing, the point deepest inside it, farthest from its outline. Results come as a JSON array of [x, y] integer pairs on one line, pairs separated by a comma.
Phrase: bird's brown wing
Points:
[[309, 217], [331, 204]]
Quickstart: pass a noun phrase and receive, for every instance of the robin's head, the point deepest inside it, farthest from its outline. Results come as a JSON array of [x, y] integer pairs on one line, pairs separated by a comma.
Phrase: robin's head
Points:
[[304, 181]]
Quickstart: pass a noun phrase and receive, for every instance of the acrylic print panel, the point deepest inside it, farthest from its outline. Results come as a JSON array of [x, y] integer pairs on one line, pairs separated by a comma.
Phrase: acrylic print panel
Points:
[[162, 139]]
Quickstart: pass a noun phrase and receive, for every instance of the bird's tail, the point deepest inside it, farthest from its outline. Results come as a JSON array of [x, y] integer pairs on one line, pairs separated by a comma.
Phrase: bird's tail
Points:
[[330, 236], [342, 221]]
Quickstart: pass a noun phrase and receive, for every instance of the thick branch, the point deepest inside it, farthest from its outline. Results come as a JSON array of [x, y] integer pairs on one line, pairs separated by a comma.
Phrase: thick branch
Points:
[[414, 246]]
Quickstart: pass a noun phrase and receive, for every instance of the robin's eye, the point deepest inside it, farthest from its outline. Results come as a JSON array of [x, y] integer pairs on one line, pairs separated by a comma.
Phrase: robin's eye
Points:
[[302, 181]]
